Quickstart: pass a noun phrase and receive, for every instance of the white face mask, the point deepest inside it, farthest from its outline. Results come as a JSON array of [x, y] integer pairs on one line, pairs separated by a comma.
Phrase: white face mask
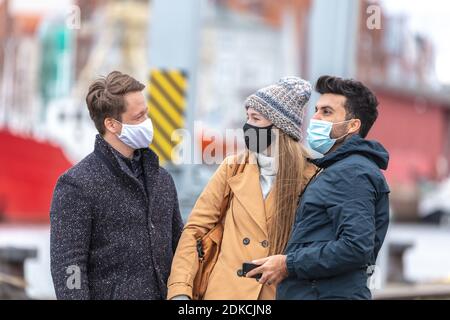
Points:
[[137, 136]]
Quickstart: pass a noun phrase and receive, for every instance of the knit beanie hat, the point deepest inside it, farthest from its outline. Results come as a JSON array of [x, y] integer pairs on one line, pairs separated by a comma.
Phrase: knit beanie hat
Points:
[[283, 104]]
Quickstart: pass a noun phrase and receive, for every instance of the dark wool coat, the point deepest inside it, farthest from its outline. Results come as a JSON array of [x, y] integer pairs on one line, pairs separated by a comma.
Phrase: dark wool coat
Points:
[[120, 236], [340, 225]]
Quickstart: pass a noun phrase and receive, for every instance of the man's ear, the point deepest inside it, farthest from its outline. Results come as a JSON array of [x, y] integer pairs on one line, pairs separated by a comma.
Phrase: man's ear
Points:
[[355, 125], [112, 126]]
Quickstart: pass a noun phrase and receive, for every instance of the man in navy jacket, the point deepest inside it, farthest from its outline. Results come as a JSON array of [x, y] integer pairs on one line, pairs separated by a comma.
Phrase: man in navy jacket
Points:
[[343, 214]]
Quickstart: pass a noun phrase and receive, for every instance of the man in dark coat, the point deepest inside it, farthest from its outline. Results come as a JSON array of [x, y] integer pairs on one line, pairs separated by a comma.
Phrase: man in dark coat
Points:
[[343, 214], [115, 220]]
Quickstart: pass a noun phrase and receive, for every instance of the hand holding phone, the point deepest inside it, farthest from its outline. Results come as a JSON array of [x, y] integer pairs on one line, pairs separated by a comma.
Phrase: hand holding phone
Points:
[[247, 267]]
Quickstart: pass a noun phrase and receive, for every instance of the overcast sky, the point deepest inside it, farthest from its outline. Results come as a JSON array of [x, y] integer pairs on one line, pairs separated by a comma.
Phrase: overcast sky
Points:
[[431, 18]]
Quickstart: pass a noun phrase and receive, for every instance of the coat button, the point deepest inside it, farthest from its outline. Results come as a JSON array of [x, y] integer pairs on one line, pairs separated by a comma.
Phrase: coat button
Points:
[[240, 273], [265, 243], [246, 241]]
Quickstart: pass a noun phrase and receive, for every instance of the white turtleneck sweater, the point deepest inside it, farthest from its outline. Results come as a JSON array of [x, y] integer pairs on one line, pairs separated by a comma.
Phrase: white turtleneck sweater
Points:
[[268, 172]]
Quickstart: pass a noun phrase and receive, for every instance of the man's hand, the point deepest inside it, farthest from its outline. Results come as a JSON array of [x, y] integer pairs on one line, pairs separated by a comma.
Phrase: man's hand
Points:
[[273, 269]]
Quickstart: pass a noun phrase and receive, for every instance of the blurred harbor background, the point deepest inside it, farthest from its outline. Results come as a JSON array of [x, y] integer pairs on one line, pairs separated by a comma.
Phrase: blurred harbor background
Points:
[[217, 52]]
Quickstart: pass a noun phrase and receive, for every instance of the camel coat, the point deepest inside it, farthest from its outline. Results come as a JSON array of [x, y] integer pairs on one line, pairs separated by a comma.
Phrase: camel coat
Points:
[[245, 236]]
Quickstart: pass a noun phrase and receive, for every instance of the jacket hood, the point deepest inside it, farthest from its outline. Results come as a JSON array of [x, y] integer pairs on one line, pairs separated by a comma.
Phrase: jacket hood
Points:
[[372, 150]]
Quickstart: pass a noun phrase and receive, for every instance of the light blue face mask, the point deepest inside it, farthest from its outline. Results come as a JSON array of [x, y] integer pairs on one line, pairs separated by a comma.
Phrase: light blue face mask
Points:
[[319, 135]]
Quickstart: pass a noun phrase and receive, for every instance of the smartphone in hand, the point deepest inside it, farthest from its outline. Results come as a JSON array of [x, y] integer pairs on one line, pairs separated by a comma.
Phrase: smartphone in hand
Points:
[[247, 267]]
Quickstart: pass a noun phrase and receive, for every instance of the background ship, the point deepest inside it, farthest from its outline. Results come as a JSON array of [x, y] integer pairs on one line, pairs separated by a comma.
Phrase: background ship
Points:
[[51, 50]]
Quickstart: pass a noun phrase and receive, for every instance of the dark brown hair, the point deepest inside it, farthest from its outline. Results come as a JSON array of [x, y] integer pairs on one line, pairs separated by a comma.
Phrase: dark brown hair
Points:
[[105, 98], [360, 103]]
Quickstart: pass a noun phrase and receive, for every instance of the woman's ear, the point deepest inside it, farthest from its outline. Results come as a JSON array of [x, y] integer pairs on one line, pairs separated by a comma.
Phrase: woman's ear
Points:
[[275, 145]]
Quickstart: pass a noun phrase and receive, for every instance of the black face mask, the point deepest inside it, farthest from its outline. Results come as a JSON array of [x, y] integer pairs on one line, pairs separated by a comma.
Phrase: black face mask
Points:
[[258, 139]]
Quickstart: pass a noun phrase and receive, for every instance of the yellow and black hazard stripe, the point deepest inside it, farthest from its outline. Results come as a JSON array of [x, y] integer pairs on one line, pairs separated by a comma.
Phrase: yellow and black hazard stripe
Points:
[[166, 106]]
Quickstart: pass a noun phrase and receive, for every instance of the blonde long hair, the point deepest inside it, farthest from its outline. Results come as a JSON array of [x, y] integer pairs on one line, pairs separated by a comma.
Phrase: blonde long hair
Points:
[[291, 179]]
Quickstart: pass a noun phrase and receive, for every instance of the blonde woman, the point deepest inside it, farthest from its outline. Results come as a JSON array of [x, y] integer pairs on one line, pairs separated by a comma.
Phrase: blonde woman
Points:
[[264, 198]]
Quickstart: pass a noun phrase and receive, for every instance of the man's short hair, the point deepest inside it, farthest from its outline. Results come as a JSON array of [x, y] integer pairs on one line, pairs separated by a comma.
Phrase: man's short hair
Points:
[[360, 102], [105, 98]]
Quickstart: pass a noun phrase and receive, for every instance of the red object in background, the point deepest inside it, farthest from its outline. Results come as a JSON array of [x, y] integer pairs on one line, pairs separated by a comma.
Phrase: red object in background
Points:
[[414, 130], [28, 173]]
